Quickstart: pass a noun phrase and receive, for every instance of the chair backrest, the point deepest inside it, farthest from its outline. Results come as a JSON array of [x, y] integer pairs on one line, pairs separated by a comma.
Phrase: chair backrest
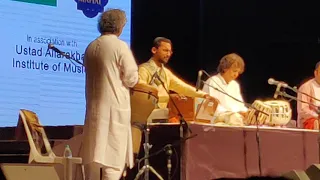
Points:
[[36, 137]]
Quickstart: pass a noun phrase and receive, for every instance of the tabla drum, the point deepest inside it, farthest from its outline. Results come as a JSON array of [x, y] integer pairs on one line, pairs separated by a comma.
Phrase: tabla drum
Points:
[[281, 112], [144, 99], [254, 118]]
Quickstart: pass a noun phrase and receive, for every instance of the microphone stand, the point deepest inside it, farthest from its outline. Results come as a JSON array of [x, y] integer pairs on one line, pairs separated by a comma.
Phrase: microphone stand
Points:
[[169, 165], [55, 49], [297, 91], [183, 124], [294, 89], [168, 149], [284, 94], [256, 113], [177, 143]]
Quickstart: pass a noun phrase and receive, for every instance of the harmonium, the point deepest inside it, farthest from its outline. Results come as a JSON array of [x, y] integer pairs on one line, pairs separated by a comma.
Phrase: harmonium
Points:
[[192, 109]]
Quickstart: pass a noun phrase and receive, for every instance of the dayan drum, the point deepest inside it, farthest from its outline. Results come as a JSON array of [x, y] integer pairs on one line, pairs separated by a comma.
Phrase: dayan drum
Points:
[[144, 99], [255, 117], [281, 112]]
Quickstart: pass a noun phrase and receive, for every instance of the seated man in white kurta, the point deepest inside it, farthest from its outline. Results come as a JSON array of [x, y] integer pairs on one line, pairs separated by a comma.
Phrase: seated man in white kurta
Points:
[[229, 69]]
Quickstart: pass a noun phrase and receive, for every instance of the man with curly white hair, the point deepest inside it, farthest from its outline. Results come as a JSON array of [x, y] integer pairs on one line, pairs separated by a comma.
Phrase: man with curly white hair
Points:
[[110, 71]]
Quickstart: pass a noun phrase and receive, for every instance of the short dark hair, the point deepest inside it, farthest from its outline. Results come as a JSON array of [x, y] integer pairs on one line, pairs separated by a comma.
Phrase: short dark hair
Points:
[[317, 65], [228, 60], [157, 41], [111, 21]]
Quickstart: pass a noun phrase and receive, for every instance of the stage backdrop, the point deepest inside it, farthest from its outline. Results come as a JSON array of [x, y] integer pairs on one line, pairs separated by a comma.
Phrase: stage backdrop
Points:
[[38, 79], [276, 39]]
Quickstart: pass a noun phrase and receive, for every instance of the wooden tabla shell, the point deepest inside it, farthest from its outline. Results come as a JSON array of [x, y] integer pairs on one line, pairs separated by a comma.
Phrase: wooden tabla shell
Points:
[[281, 112], [262, 118]]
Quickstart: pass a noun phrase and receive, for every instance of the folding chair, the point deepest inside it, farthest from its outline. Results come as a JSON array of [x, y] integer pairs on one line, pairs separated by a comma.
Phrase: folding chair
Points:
[[37, 138]]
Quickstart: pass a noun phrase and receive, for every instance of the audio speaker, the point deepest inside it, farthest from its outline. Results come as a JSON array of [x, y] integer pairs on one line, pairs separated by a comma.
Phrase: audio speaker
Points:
[[313, 171], [14, 171], [296, 175]]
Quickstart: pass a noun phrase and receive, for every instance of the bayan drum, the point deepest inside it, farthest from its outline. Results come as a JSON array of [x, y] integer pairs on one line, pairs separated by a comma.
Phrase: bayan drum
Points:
[[281, 112], [261, 119]]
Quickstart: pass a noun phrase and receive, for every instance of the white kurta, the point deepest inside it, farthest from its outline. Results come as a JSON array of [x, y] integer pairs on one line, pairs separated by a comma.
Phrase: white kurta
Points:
[[226, 102], [304, 110], [110, 71]]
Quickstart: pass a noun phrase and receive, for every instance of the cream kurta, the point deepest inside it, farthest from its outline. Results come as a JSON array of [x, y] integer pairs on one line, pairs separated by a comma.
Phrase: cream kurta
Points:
[[304, 110], [226, 102], [110, 71], [171, 82]]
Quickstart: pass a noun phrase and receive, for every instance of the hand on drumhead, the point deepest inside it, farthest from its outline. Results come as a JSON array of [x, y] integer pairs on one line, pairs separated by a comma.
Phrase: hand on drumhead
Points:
[[207, 96], [243, 113]]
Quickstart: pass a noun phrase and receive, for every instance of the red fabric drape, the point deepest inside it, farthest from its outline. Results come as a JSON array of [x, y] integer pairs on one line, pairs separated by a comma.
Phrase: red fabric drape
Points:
[[309, 123]]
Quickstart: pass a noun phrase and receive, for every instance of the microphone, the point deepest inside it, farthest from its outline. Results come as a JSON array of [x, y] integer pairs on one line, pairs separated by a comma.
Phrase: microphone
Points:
[[206, 73], [51, 46], [279, 85], [271, 81], [198, 84], [154, 76]]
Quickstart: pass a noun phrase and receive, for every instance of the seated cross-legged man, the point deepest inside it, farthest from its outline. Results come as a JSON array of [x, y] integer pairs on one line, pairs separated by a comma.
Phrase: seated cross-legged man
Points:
[[308, 112], [229, 111]]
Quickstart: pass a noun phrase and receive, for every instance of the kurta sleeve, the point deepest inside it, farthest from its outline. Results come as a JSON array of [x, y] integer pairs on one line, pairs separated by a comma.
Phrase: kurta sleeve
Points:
[[242, 107], [129, 68], [144, 75], [207, 89], [304, 110], [183, 88]]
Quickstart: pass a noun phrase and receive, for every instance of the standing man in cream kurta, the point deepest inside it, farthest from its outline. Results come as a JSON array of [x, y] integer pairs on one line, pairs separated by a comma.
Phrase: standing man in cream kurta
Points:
[[110, 71]]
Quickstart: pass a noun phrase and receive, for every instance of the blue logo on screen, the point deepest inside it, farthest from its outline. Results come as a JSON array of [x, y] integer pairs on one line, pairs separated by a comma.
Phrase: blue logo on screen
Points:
[[91, 8]]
